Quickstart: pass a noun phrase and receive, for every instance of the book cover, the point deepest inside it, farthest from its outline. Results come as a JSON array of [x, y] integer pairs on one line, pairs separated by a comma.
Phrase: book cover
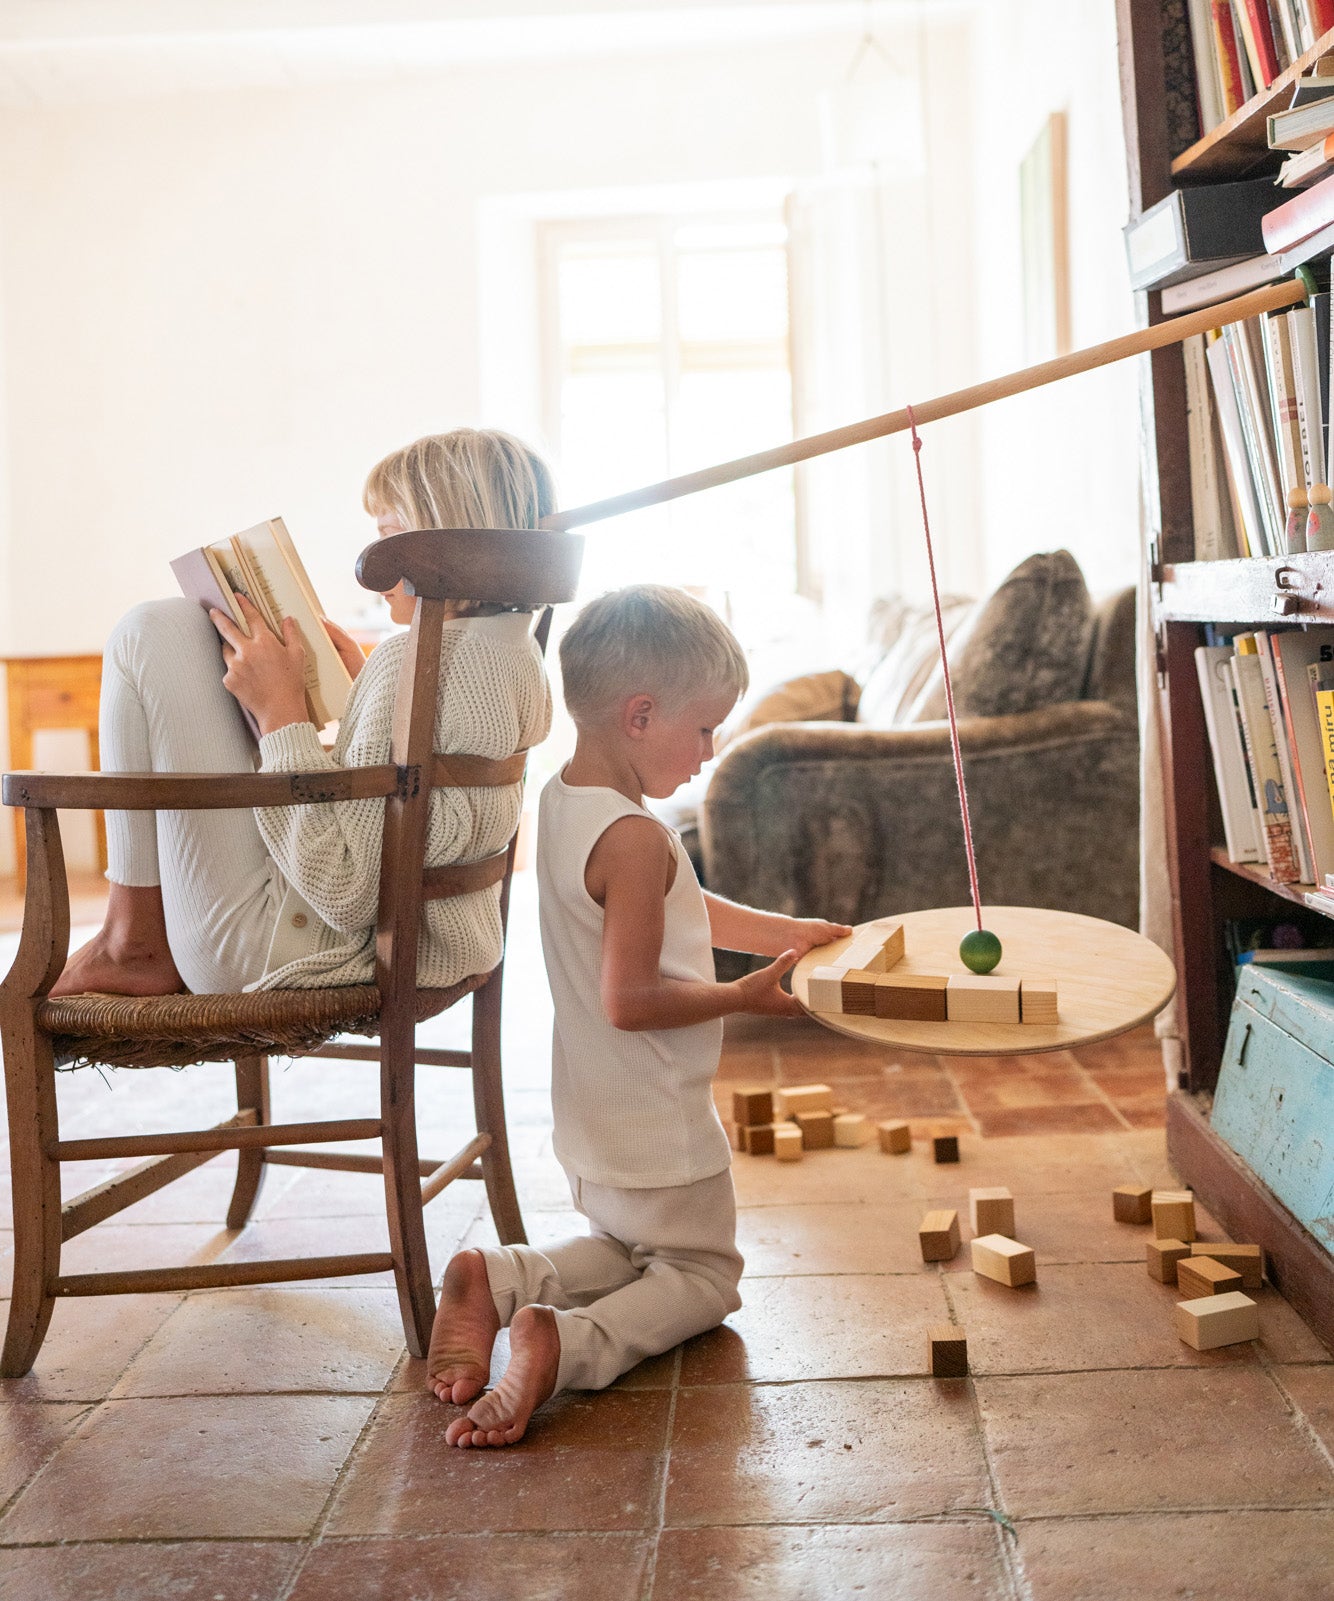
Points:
[[1227, 56], [1211, 516], [1246, 357], [1258, 34], [1283, 403], [1322, 686], [1304, 214], [1241, 828], [1322, 15], [1306, 167], [1197, 229], [1285, 28], [1306, 385], [1208, 92], [1258, 736], [1250, 532], [201, 579], [1294, 652], [1274, 700]]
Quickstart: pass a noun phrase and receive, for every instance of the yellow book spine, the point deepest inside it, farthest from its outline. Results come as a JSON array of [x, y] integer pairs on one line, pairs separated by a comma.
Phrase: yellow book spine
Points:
[[1324, 701]]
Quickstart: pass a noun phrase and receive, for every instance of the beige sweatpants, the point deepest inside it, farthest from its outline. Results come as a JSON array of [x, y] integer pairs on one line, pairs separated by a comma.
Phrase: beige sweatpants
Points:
[[656, 1267]]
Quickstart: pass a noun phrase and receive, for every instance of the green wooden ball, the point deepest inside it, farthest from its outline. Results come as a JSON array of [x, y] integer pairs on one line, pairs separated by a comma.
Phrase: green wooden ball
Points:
[[979, 951]]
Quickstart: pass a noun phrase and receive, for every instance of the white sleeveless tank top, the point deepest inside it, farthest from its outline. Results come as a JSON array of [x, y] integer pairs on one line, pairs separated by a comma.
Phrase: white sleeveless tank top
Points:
[[633, 1110]]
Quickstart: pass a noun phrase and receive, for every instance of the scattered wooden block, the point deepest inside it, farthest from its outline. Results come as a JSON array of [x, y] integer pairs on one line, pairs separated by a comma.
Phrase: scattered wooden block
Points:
[[859, 992], [911, 997], [824, 989], [1037, 1000], [1201, 1275], [895, 1138], [939, 1235], [787, 1142], [947, 1352], [1004, 1260], [1162, 1257], [1173, 1215], [1248, 1260], [991, 1211], [945, 1147], [875, 949], [759, 1139], [794, 1098], [1215, 1320], [851, 1130], [981, 998], [1132, 1204], [817, 1130], [751, 1107]]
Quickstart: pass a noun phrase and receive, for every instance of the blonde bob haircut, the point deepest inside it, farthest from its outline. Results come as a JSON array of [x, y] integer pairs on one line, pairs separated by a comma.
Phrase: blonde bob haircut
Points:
[[468, 478], [647, 639]]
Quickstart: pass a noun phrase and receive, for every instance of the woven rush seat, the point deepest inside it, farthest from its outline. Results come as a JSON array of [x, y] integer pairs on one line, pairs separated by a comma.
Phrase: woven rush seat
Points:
[[178, 1030]]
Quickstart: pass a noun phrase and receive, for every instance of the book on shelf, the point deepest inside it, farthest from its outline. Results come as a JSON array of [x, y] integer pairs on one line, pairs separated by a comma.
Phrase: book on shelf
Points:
[[1224, 282], [1212, 513], [1259, 741], [1195, 230], [1237, 469], [1242, 829], [1257, 34], [1294, 652], [1308, 166], [1286, 757], [1301, 126], [1303, 956], [262, 564], [1305, 213]]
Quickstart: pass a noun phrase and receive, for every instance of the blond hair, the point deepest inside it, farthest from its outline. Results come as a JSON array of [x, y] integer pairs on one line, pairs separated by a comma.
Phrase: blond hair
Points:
[[651, 639], [468, 478]]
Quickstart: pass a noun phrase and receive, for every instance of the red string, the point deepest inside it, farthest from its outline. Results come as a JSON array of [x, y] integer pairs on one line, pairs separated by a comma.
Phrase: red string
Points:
[[945, 668]]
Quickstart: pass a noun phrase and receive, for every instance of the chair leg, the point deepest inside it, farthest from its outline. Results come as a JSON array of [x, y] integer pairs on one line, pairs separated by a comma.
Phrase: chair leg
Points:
[[252, 1094], [488, 1095], [30, 1090], [403, 1185]]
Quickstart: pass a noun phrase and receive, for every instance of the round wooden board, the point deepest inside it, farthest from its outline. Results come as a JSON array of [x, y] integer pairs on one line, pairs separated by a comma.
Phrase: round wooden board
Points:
[[1108, 979]]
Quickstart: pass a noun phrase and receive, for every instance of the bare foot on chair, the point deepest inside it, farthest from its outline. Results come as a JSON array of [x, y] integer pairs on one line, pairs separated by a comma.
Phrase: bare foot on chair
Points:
[[501, 1416], [458, 1363], [105, 966]]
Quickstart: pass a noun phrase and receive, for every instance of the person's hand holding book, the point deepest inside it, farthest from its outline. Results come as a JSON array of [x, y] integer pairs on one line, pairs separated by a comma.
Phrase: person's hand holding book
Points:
[[266, 674], [352, 655]]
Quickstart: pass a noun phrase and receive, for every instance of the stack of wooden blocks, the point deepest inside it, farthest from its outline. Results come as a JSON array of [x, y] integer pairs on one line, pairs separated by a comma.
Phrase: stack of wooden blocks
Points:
[[1211, 1277], [788, 1121], [862, 983]]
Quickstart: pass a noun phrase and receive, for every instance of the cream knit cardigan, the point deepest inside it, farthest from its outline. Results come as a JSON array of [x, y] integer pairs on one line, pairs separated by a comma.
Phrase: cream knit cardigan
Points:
[[494, 700]]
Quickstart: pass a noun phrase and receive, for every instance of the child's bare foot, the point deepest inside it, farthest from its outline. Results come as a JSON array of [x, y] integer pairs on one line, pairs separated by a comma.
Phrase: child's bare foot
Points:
[[106, 966], [459, 1361], [501, 1416]]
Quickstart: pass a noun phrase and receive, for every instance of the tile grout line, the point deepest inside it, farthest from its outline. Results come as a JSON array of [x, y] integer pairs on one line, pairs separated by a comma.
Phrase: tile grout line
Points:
[[1297, 1412], [1098, 1090], [651, 1567]]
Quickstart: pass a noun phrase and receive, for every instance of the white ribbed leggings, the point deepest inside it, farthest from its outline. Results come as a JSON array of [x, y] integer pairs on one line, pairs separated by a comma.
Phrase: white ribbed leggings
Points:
[[657, 1267], [164, 710]]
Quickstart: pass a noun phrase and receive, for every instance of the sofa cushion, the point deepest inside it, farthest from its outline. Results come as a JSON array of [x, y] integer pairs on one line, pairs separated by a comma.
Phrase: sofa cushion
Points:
[[829, 697], [896, 681], [1025, 647]]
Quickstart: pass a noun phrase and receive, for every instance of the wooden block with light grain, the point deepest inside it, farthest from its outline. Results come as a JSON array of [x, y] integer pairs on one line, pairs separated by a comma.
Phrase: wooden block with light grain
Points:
[[787, 1142], [938, 1234], [1037, 1001], [1173, 1213], [876, 949], [1201, 1275], [825, 989], [817, 1130], [1248, 1260], [991, 1211], [895, 1138], [859, 986], [794, 1098], [947, 1352], [1131, 1203], [751, 1107], [1214, 1320], [981, 998], [1004, 1260], [851, 1130], [1162, 1257]]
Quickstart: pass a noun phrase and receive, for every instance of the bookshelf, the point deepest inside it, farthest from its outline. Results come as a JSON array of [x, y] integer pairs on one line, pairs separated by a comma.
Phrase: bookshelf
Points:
[[1157, 83]]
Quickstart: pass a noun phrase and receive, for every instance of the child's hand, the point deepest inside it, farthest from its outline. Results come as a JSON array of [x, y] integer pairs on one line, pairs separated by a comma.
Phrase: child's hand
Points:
[[763, 993], [265, 673], [353, 657], [806, 933]]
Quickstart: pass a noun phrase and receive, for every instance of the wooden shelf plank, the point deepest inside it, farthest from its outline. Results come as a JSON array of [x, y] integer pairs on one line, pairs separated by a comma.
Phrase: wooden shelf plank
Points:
[[1257, 590], [1239, 144], [1296, 893]]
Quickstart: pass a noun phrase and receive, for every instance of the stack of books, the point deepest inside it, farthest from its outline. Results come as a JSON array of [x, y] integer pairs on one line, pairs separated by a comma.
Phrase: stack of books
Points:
[[1259, 416], [1269, 709], [1241, 46]]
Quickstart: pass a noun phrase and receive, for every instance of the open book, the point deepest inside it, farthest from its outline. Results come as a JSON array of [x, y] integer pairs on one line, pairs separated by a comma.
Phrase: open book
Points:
[[262, 564]]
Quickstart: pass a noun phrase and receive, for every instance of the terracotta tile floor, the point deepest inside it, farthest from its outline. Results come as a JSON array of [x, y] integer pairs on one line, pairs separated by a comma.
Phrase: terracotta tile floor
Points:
[[252, 1445]]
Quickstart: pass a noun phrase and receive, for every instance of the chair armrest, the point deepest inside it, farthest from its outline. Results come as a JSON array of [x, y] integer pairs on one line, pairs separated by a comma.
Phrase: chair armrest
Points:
[[183, 792], [849, 822]]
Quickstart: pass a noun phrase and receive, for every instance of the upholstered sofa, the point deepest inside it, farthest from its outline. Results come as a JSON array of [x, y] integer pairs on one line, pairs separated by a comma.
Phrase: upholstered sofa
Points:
[[855, 814]]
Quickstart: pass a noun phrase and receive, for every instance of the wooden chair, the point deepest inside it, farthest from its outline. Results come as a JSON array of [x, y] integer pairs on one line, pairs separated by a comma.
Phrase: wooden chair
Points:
[[510, 566]]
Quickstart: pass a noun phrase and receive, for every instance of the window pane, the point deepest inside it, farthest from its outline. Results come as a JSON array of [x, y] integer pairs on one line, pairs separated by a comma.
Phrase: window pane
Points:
[[610, 293], [733, 294]]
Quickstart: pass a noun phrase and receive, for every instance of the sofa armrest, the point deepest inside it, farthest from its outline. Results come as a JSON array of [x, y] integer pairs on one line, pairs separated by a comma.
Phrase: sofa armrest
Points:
[[848, 822]]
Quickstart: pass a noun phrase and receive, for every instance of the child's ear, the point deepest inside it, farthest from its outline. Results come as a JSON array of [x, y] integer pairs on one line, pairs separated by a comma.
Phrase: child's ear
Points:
[[636, 715]]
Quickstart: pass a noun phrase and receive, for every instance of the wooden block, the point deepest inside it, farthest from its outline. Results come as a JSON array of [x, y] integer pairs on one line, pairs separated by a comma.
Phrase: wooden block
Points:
[[1037, 1000], [981, 998], [1248, 1260], [947, 1352], [911, 997], [787, 1142], [895, 1138], [794, 1098], [851, 1130], [737, 1133], [1216, 1320], [991, 1211], [939, 1235], [875, 949], [752, 1107], [1201, 1275], [945, 1147], [859, 992], [1131, 1204], [759, 1139], [1162, 1257], [1004, 1260], [1173, 1215], [824, 989], [817, 1130]]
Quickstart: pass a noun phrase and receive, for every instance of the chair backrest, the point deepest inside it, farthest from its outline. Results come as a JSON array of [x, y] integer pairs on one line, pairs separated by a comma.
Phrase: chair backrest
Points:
[[518, 567]]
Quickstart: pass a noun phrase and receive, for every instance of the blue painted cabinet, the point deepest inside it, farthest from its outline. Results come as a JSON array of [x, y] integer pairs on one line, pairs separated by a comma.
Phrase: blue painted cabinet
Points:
[[1274, 1104]]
